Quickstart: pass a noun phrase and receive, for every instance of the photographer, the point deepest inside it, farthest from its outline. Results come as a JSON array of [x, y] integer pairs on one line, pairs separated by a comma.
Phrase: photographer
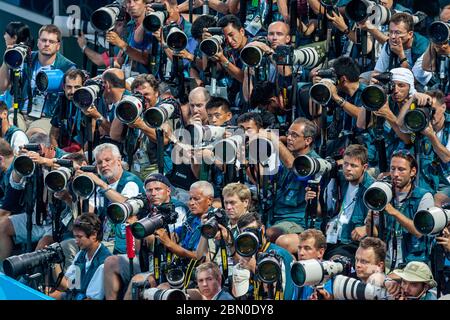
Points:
[[46, 58], [66, 119], [117, 276], [6, 160], [434, 146], [346, 226], [140, 140], [83, 280], [391, 134], [404, 242], [183, 243], [416, 280], [404, 48], [13, 228], [112, 184], [237, 202], [283, 290], [287, 214], [12, 134], [102, 115], [435, 58], [346, 93]]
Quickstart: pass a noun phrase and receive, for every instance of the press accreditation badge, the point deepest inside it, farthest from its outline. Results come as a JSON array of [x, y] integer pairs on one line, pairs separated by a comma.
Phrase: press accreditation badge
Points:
[[38, 106], [254, 26], [332, 231]]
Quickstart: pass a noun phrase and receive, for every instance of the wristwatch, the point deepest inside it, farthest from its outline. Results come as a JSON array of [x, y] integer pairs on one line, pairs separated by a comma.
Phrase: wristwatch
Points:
[[99, 121], [403, 60], [226, 64], [341, 101]]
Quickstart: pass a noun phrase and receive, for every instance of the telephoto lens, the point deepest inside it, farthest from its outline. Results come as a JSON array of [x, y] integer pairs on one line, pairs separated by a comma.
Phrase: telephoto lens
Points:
[[104, 19], [251, 55], [83, 186], [373, 97], [439, 32], [212, 46], [129, 109], [155, 20], [14, 57], [154, 117], [247, 243], [378, 195], [431, 221], [50, 81], [346, 288], [56, 180], [268, 267], [418, 119], [23, 166], [120, 212]]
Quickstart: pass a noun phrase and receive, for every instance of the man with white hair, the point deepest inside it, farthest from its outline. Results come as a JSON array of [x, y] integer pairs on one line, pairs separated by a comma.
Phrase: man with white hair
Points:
[[113, 185], [201, 195]]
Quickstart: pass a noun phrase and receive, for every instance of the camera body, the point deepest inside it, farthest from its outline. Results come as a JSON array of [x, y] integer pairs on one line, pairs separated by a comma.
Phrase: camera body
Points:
[[19, 265], [216, 216], [215, 31], [284, 55]]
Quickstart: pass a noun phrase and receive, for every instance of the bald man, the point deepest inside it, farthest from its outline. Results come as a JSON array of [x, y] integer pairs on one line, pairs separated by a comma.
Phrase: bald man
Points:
[[198, 98]]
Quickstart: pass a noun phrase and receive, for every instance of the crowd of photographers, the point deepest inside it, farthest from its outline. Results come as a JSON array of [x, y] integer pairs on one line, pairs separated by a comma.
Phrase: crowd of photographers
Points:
[[222, 150]]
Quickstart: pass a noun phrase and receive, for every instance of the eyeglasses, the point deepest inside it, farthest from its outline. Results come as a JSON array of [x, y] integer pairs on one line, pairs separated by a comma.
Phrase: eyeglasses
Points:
[[396, 33], [48, 40], [295, 135], [402, 152]]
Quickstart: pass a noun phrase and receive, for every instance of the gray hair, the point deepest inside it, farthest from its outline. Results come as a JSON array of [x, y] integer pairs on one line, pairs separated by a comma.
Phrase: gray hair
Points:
[[41, 138], [205, 186], [200, 90], [107, 146]]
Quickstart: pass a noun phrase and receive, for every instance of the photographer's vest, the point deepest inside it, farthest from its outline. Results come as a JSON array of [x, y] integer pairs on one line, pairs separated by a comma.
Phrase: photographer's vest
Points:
[[434, 172], [413, 248], [290, 201], [51, 99], [419, 46], [359, 213], [118, 230], [86, 275], [10, 132]]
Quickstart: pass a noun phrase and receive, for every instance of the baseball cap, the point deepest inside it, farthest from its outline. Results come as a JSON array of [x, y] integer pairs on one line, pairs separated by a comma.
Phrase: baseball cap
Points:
[[416, 271], [157, 177]]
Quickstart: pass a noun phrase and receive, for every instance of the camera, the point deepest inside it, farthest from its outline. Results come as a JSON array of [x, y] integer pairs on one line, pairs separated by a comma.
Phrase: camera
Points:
[[164, 110], [320, 92], [104, 19], [211, 46], [50, 81], [269, 267], [129, 109], [174, 37], [15, 57], [175, 276], [226, 150], [314, 272], [16, 266], [378, 195], [431, 221], [305, 166], [201, 135], [307, 56], [260, 150], [439, 32], [83, 186], [374, 96], [165, 215], [70, 26], [252, 55], [56, 180], [23, 166], [120, 212], [346, 288], [216, 216], [417, 119], [248, 242], [155, 20], [36, 147], [141, 291], [85, 96], [360, 10]]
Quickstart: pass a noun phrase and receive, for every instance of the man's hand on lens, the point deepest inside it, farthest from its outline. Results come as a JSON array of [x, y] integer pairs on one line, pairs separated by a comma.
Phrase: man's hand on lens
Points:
[[92, 112], [248, 263], [206, 34], [422, 99]]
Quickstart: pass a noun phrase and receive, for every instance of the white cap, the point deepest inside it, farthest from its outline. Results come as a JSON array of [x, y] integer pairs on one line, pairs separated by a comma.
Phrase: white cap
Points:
[[241, 278], [404, 75]]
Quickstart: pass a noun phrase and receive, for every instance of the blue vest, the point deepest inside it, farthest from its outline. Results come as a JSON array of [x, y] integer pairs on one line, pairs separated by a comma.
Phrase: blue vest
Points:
[[419, 46], [86, 275], [360, 210], [120, 245], [413, 248], [433, 171], [290, 201]]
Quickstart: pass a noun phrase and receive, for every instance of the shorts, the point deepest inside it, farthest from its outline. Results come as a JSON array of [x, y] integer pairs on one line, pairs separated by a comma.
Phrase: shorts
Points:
[[19, 222], [124, 267], [288, 227]]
